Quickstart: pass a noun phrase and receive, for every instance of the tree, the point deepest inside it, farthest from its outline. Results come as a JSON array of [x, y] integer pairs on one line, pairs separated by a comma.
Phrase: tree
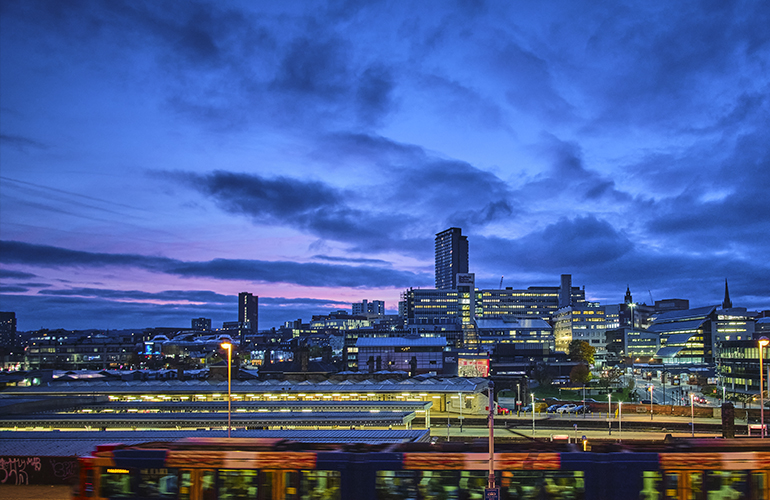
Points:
[[610, 377], [542, 374], [580, 350], [580, 375]]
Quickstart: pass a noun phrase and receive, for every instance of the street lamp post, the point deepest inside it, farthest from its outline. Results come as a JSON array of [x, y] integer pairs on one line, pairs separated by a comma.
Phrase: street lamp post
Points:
[[518, 400], [460, 395], [692, 413], [763, 341], [620, 420], [609, 413], [533, 414], [491, 482], [229, 347], [651, 388]]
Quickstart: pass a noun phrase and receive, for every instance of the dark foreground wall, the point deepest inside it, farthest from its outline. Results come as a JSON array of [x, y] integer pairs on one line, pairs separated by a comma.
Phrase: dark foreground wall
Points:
[[37, 470]]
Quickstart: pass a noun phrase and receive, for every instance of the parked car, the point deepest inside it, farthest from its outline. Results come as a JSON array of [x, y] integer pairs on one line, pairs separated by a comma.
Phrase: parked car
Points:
[[580, 409], [553, 408], [566, 408]]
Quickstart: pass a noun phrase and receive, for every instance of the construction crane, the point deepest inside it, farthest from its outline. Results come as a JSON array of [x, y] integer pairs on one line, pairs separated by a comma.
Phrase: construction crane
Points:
[[501, 282]]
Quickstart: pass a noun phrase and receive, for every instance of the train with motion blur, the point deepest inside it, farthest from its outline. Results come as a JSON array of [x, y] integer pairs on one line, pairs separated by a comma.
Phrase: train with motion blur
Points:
[[257, 469]]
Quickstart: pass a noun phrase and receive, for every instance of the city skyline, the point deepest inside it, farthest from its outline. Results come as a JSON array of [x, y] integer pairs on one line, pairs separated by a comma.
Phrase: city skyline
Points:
[[158, 159]]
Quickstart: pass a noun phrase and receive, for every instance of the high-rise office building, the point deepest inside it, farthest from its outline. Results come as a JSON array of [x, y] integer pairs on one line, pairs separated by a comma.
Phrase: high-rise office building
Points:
[[7, 329], [451, 257], [248, 311]]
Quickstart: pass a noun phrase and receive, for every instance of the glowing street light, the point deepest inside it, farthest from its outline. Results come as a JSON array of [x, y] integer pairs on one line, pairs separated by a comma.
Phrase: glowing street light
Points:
[[229, 347], [763, 341]]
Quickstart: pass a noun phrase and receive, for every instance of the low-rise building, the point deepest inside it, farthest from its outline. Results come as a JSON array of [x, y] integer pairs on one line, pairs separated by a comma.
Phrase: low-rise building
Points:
[[80, 352], [738, 367], [408, 354], [512, 330]]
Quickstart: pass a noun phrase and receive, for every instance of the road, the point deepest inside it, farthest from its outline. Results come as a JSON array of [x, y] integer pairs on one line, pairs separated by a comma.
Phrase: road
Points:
[[12, 492]]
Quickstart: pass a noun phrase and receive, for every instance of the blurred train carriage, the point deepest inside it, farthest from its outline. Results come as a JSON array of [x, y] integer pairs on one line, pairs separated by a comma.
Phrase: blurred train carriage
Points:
[[257, 469]]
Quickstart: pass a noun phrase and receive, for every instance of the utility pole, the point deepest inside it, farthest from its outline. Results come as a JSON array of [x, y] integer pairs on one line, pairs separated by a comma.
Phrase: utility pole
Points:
[[491, 491]]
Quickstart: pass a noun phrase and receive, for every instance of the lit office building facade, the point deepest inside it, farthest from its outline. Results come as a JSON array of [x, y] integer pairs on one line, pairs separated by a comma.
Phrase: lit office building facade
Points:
[[453, 310], [580, 321], [533, 302], [686, 337]]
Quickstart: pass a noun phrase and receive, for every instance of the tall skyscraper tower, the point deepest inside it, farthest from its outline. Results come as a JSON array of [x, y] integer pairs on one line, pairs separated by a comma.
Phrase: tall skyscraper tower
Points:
[[451, 257], [248, 312]]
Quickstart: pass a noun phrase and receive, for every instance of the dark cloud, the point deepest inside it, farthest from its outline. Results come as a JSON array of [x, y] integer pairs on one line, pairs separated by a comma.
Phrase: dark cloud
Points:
[[698, 277], [580, 243], [17, 252], [460, 194], [313, 67], [365, 148], [374, 95], [306, 274], [74, 312], [279, 198], [653, 122], [661, 66], [726, 212], [310, 206], [568, 173], [21, 143], [16, 275], [463, 106], [606, 264], [168, 296], [530, 84], [106, 310]]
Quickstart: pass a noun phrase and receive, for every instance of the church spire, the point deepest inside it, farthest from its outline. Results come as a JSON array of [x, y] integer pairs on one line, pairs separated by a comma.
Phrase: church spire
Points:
[[628, 298], [727, 303]]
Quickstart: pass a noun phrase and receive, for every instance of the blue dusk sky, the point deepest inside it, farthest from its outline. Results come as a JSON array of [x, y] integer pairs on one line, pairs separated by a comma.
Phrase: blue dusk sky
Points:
[[159, 157]]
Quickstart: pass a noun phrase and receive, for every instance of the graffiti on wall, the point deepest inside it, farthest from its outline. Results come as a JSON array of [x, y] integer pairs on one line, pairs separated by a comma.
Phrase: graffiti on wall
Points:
[[38, 470], [16, 470]]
